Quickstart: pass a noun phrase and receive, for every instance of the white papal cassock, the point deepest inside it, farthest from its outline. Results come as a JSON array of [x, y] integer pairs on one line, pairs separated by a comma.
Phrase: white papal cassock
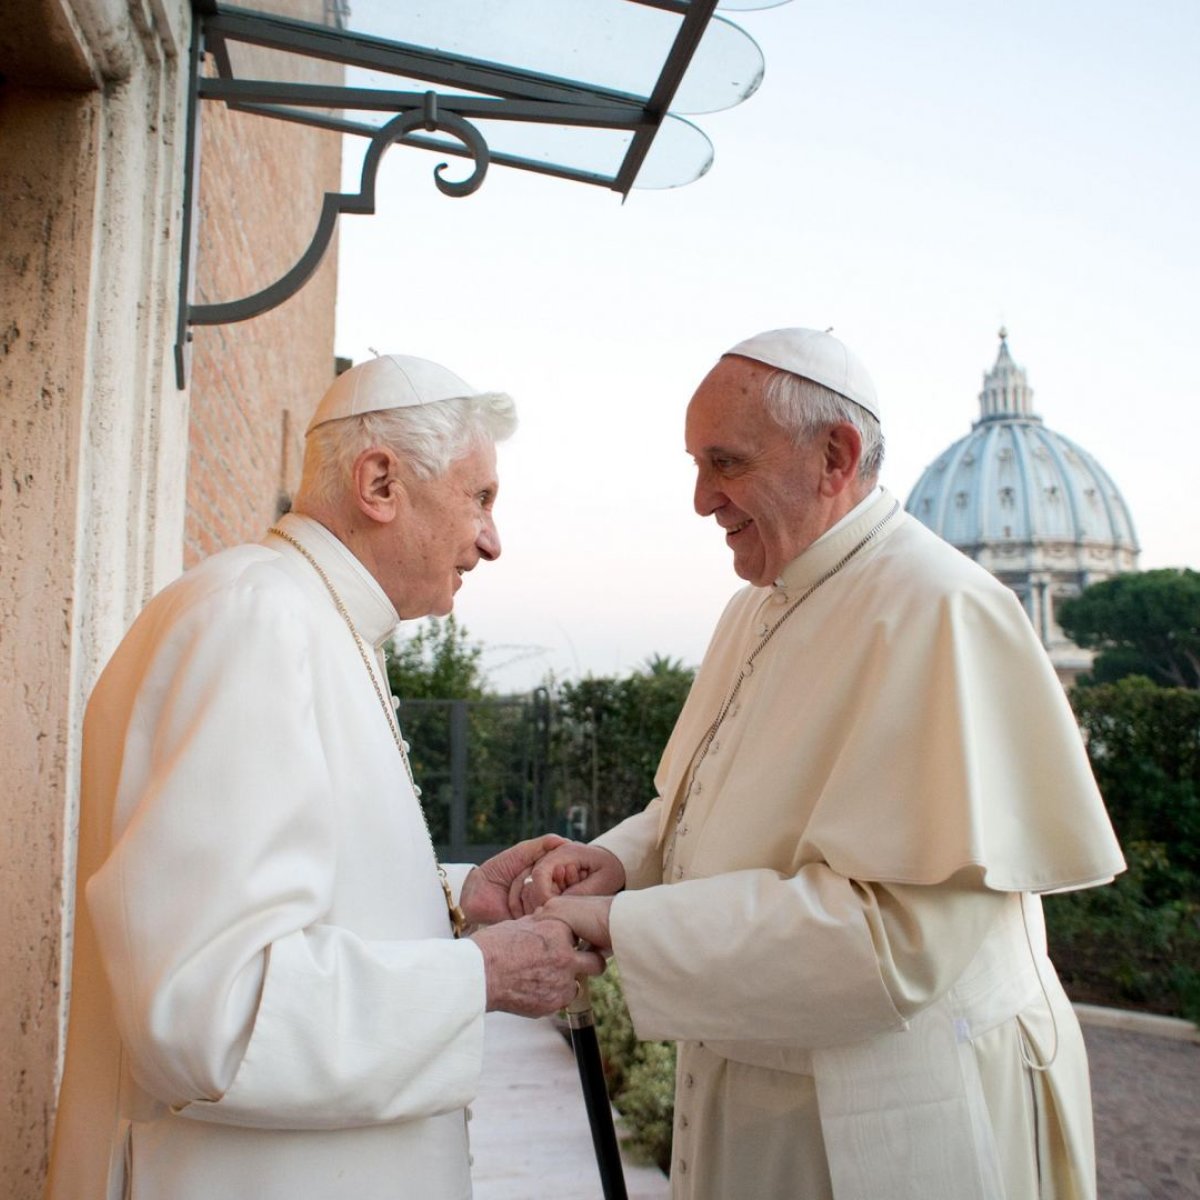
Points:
[[851, 950], [266, 998]]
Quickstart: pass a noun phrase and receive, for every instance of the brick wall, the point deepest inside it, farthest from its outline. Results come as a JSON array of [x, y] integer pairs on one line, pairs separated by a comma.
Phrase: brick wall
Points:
[[255, 384]]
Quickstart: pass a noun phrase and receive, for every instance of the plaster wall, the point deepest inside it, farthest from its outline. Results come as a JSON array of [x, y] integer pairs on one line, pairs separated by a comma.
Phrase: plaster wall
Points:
[[91, 463], [39, 439]]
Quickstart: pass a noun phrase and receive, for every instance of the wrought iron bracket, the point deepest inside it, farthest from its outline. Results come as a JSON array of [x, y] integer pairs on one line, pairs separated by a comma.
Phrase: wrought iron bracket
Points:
[[428, 118], [477, 90], [362, 201]]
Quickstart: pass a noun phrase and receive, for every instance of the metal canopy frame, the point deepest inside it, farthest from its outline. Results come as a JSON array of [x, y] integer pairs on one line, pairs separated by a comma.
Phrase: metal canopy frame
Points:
[[499, 92]]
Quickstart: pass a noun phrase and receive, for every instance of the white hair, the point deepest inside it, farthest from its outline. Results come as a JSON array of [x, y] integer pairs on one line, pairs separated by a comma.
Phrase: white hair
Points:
[[426, 437], [805, 408]]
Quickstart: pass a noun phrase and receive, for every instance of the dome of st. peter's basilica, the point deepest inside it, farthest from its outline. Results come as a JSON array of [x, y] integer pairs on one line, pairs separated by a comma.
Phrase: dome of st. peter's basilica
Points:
[[1028, 504]]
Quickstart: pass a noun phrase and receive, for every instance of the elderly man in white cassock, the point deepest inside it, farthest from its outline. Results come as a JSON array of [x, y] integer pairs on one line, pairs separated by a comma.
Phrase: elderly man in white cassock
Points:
[[270, 999], [833, 902]]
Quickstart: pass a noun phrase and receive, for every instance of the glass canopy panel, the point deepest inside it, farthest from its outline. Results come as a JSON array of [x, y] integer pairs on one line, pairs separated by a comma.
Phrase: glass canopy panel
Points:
[[679, 154], [614, 45], [574, 88]]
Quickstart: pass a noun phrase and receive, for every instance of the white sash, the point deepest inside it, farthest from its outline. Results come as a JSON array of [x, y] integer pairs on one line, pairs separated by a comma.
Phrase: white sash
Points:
[[903, 1114]]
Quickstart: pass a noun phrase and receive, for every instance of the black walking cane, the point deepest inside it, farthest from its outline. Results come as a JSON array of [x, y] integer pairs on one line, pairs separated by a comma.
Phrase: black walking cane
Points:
[[595, 1094]]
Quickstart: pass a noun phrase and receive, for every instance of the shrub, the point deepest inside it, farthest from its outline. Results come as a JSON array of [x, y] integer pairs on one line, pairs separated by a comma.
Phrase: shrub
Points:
[[640, 1075], [1137, 941], [1124, 945]]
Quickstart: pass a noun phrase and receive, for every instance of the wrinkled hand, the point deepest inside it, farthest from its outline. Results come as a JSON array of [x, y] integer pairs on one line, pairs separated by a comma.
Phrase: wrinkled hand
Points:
[[531, 965], [586, 915], [485, 893], [571, 868]]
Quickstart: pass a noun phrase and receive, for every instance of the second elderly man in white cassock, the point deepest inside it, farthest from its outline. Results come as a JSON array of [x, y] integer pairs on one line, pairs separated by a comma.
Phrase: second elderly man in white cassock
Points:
[[833, 904], [269, 999]]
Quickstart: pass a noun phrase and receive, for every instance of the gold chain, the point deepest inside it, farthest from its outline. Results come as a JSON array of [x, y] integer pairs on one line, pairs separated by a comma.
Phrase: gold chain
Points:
[[458, 919]]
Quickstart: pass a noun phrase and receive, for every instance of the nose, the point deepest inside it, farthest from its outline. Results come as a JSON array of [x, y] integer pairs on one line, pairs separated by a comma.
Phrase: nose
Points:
[[488, 541], [706, 499]]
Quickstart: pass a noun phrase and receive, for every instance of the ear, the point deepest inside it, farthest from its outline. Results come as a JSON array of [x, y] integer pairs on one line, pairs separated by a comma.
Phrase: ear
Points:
[[376, 484], [843, 452]]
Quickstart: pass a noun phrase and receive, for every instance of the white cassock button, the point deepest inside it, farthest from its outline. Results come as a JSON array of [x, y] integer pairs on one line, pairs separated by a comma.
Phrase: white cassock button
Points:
[[697, 787], [715, 747], [683, 1166], [407, 747], [683, 1121], [748, 669], [417, 790], [764, 629], [396, 702], [688, 1081]]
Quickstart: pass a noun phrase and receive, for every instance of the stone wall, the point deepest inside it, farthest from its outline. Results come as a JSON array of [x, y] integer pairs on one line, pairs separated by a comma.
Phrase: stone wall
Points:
[[52, 143], [99, 456]]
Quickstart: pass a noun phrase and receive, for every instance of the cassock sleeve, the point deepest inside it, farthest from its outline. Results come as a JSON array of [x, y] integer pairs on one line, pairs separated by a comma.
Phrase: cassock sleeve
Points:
[[635, 842], [236, 999], [808, 961]]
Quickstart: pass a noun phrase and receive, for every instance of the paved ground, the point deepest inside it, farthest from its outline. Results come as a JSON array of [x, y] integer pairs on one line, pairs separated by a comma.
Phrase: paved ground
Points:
[[529, 1129], [1146, 1099], [530, 1139]]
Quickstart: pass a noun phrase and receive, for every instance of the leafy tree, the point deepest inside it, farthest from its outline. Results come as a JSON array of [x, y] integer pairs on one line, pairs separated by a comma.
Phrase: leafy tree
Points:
[[1146, 623], [432, 672], [439, 662], [610, 734]]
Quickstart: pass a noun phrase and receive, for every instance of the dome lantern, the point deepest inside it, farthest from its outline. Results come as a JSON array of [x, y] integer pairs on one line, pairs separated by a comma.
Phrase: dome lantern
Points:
[[1006, 392]]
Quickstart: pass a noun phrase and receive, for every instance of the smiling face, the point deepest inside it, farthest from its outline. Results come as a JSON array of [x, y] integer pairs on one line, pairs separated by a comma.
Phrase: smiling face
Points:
[[769, 495], [442, 529]]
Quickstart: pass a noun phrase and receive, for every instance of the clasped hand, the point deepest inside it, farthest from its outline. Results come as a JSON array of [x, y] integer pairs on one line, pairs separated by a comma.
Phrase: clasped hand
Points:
[[557, 893]]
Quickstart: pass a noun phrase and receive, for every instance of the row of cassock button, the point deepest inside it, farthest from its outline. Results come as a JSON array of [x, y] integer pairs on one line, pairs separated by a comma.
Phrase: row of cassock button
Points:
[[681, 1163], [698, 787]]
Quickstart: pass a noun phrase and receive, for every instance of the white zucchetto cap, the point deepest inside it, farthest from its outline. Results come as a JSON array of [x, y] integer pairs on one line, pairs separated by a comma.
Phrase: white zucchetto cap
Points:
[[814, 355], [386, 382]]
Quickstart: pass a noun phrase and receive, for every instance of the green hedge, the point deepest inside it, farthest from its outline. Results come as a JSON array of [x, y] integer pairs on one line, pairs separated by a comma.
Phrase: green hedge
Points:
[[1137, 941], [1134, 943]]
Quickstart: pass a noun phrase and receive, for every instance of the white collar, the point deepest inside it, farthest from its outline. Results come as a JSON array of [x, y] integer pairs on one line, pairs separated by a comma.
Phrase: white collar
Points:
[[841, 537], [853, 514], [372, 613]]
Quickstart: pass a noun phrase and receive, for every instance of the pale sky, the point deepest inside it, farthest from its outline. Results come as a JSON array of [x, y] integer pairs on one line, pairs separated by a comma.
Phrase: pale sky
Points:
[[913, 176]]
